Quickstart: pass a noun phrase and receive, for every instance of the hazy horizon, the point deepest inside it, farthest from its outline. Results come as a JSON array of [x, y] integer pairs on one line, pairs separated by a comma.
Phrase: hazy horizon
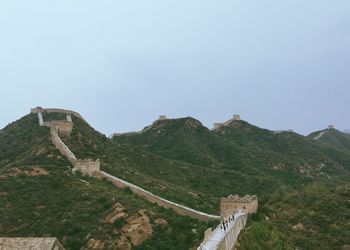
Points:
[[280, 65]]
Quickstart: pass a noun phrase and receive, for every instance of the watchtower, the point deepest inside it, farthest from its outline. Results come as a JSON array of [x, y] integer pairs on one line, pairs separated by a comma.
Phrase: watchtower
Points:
[[236, 117], [231, 204]]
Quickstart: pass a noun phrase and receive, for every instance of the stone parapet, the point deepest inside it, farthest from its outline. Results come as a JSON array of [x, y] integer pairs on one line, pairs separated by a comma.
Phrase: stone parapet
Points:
[[224, 239], [234, 203], [87, 167], [53, 110], [30, 243], [230, 239], [234, 118], [158, 200], [59, 144], [62, 126]]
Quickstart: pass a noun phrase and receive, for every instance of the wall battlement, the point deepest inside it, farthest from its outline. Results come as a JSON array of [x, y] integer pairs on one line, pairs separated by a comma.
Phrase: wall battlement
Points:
[[54, 110], [234, 203], [221, 239], [62, 126], [89, 167], [92, 168], [59, 144], [234, 118], [160, 118], [126, 134], [158, 200]]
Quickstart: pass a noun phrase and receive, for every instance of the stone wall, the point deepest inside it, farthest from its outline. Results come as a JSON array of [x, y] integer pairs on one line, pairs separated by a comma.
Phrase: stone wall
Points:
[[158, 200], [59, 144], [233, 203], [231, 236], [41, 119], [30, 243], [64, 127], [88, 167], [92, 168], [51, 110], [224, 239], [235, 118], [124, 134], [161, 118]]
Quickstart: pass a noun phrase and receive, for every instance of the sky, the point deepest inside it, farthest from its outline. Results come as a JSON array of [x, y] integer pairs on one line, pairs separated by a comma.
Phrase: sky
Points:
[[121, 64]]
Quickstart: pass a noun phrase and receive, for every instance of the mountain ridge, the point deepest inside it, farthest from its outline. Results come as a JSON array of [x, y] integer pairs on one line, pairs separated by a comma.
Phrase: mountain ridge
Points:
[[186, 162]]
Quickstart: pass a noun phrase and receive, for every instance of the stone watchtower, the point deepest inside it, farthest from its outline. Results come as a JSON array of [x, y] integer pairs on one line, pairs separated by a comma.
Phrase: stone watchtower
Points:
[[63, 127], [231, 204], [236, 117], [88, 166]]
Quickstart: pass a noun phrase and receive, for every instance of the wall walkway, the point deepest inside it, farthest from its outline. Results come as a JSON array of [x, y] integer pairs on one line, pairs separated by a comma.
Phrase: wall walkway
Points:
[[63, 111], [62, 147], [221, 239], [158, 200], [56, 140]]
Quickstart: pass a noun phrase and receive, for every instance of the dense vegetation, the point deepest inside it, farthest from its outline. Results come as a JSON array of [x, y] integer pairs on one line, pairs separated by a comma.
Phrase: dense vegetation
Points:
[[39, 196], [334, 138], [302, 184], [286, 170]]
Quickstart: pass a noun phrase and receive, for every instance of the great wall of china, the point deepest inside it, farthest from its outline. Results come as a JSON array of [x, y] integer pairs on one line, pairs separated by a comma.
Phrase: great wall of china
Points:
[[217, 239], [86, 166]]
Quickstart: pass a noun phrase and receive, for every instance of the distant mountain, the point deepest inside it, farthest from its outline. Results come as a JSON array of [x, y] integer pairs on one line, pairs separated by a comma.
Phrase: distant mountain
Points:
[[238, 146], [347, 131], [281, 168], [332, 137]]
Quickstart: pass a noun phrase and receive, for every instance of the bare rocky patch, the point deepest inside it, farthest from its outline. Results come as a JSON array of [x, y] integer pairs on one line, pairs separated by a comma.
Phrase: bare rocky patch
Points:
[[161, 221], [138, 228], [36, 171], [95, 245], [33, 171], [117, 213], [122, 243]]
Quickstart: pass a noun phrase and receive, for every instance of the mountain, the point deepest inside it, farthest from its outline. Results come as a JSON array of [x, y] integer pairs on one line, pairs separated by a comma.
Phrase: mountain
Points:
[[333, 138], [299, 182], [40, 196], [241, 148], [242, 158]]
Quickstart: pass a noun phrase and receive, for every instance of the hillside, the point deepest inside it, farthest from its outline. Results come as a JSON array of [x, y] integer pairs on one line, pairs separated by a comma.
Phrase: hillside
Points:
[[242, 158], [41, 197], [333, 138], [242, 149], [298, 180]]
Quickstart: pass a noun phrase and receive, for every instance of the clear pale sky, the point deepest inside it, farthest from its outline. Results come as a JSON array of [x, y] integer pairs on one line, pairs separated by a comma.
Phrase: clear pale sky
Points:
[[279, 64]]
